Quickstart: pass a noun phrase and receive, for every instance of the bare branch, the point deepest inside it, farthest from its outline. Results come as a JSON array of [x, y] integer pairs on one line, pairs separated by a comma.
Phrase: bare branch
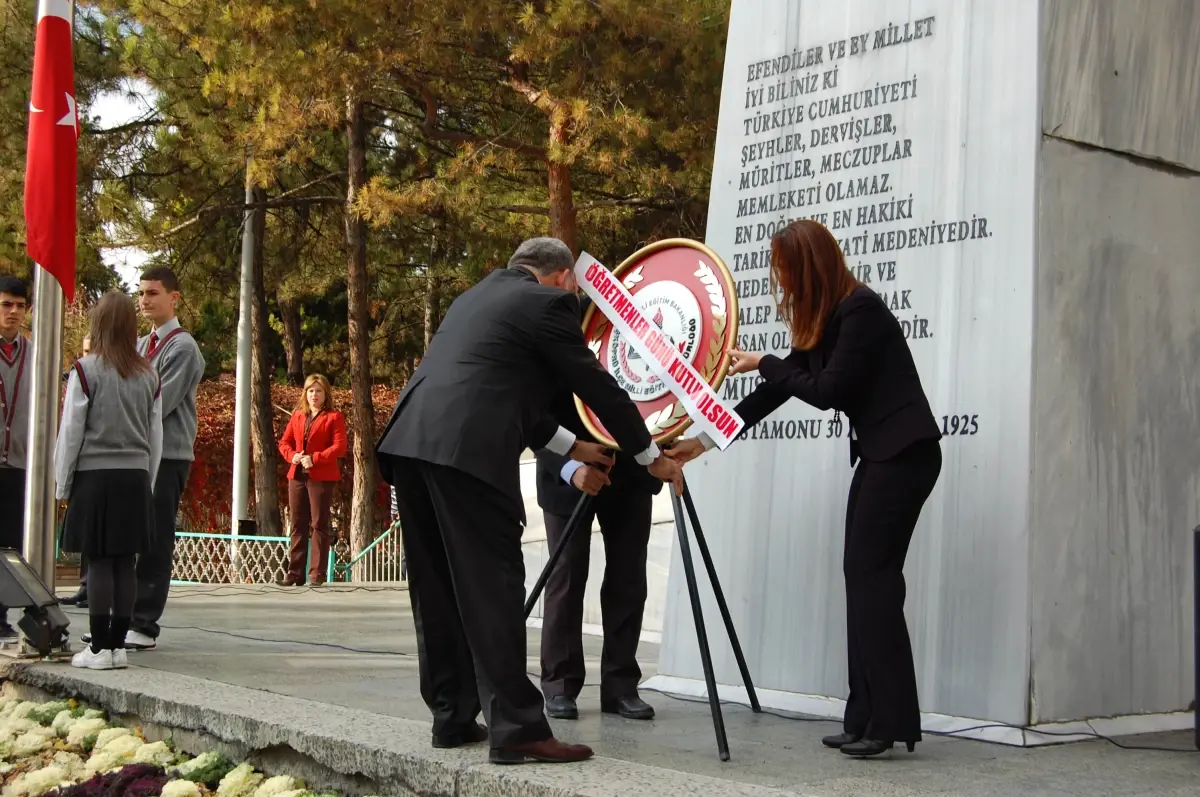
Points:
[[518, 80], [125, 128], [531, 210], [429, 126], [538, 210], [286, 199]]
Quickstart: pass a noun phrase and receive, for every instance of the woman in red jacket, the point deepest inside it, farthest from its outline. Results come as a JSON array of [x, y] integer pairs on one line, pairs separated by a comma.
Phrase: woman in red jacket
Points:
[[314, 441]]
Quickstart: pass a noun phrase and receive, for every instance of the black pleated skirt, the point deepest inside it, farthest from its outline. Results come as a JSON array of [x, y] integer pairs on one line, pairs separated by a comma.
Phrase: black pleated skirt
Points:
[[108, 513]]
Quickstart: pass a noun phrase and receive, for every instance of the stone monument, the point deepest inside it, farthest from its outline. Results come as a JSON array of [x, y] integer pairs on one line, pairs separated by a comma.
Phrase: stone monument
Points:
[[1019, 181]]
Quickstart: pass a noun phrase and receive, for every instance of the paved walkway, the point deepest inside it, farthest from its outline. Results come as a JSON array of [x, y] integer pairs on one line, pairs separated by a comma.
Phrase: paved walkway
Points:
[[356, 648]]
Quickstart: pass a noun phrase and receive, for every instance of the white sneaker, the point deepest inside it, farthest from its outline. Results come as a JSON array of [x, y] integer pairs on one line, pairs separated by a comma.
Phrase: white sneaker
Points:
[[120, 659], [87, 660], [136, 640]]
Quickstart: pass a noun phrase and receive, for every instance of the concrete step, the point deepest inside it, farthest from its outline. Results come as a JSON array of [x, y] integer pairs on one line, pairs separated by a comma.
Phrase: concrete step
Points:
[[332, 747]]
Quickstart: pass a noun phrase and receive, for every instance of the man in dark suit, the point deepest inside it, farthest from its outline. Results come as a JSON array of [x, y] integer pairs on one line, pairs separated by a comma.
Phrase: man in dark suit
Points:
[[452, 450], [623, 502]]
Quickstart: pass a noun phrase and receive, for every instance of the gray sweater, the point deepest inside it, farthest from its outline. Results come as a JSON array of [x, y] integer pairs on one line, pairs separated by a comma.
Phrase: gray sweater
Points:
[[179, 362], [16, 385], [108, 423]]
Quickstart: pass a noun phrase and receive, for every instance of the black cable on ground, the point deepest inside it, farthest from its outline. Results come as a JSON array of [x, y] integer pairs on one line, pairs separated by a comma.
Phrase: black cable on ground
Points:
[[957, 734]]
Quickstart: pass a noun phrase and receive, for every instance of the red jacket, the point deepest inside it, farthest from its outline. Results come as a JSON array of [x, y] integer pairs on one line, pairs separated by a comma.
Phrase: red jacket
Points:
[[326, 444]]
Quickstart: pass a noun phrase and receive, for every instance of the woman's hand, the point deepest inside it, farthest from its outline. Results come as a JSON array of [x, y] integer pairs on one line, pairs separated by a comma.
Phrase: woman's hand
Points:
[[306, 462], [299, 455], [743, 362], [684, 451]]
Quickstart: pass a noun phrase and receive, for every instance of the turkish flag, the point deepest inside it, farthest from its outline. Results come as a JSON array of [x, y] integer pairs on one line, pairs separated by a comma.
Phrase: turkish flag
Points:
[[50, 165]]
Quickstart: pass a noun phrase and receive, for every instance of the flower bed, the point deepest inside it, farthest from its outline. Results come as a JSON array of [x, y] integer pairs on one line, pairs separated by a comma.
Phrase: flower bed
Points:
[[63, 749]]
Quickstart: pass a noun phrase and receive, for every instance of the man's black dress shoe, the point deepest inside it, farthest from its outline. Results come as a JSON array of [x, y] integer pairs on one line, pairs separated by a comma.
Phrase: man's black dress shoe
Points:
[[870, 747], [631, 708], [840, 740], [562, 707], [448, 741], [546, 751]]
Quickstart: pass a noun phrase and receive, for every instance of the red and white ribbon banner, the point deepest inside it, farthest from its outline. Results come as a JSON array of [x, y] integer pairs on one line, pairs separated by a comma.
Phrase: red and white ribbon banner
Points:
[[707, 411]]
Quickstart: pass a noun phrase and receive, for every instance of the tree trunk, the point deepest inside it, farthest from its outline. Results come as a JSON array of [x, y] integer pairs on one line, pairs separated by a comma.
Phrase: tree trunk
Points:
[[293, 344], [362, 505], [432, 293], [262, 428], [562, 200], [289, 307]]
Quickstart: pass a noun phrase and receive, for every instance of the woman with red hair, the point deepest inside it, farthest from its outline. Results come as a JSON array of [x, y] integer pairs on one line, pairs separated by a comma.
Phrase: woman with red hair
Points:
[[314, 441], [849, 355]]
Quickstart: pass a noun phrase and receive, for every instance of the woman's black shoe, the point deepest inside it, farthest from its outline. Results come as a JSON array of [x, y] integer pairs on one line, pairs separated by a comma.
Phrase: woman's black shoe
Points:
[[840, 740], [870, 747]]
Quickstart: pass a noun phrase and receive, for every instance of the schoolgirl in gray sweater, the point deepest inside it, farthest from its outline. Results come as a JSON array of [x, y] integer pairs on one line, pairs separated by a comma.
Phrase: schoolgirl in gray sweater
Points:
[[107, 456]]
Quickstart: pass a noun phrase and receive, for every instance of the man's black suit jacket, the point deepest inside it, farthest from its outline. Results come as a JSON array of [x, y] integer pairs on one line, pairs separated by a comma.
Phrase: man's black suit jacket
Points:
[[862, 366], [557, 496], [481, 396]]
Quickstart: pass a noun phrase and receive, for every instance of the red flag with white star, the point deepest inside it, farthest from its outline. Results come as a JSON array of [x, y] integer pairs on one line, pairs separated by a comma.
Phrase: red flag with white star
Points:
[[50, 165]]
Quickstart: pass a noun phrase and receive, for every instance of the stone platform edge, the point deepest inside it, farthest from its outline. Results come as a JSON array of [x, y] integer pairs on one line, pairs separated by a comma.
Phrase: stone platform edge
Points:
[[333, 747]]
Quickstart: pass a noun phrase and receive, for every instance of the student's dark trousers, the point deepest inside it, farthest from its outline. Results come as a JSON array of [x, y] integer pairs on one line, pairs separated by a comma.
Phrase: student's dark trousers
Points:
[[154, 566], [885, 502]]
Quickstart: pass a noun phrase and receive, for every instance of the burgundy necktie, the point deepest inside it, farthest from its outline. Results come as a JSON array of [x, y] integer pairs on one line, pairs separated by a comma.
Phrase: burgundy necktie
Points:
[[153, 344]]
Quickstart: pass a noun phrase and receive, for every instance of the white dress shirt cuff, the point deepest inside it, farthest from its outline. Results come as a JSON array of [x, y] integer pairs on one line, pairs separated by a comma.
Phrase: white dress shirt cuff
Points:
[[568, 470], [647, 456], [561, 442], [705, 440]]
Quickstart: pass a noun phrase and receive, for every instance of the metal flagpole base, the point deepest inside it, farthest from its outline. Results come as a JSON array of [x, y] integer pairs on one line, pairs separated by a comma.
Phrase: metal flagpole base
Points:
[[689, 571], [573, 524]]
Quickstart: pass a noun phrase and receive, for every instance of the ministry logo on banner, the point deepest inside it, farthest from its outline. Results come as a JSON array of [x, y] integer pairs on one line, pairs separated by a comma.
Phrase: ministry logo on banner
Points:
[[661, 323], [674, 311]]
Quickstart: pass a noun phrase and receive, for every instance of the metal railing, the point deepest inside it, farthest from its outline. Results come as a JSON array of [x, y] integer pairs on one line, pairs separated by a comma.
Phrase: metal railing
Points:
[[206, 558], [225, 559], [382, 560]]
